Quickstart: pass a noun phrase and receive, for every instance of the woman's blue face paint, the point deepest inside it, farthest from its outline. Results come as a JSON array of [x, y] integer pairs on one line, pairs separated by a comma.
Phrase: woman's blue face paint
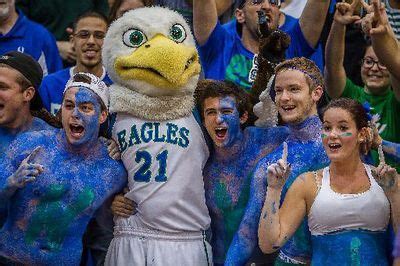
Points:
[[80, 116]]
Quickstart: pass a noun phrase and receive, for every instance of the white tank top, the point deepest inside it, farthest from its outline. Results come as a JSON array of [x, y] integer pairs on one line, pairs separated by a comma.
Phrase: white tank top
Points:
[[165, 163], [332, 211]]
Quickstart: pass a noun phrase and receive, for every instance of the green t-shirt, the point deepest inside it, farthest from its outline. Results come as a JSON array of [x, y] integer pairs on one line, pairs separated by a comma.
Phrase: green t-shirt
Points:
[[388, 109]]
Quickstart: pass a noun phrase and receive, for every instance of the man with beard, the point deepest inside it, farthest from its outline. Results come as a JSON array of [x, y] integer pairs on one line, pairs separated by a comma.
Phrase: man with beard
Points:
[[87, 39], [18, 33], [230, 56]]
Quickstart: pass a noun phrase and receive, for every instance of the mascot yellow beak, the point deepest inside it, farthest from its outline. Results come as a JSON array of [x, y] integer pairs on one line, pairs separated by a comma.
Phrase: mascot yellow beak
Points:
[[160, 62]]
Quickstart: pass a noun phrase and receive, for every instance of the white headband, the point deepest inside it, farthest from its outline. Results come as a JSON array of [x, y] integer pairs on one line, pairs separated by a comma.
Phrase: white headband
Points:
[[96, 85]]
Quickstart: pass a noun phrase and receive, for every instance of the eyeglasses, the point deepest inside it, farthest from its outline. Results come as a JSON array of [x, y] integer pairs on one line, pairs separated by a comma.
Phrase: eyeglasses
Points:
[[85, 34], [369, 63], [271, 2]]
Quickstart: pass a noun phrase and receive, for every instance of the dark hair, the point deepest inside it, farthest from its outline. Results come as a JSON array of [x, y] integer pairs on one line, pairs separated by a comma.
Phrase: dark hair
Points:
[[354, 108], [90, 14], [117, 4], [213, 88]]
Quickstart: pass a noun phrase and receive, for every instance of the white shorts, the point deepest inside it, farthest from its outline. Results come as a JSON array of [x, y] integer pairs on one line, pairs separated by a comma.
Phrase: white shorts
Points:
[[142, 246]]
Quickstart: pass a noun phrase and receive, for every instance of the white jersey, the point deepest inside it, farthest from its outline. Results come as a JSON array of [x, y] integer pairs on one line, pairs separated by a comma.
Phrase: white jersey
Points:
[[165, 163]]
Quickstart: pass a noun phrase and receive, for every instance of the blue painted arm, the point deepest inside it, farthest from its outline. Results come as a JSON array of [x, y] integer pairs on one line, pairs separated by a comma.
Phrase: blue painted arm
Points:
[[246, 239]]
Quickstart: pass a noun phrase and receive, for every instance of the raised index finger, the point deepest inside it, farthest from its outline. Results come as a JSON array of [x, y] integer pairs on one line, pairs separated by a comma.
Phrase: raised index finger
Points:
[[285, 153], [32, 155]]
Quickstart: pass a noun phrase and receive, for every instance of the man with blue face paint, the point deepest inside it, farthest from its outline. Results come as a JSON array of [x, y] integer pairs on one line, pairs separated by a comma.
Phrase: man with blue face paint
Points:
[[227, 174], [55, 180]]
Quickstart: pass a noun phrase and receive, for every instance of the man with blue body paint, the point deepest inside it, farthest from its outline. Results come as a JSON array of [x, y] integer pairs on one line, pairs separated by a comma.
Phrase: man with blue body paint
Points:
[[20, 77], [227, 174], [298, 88], [54, 180]]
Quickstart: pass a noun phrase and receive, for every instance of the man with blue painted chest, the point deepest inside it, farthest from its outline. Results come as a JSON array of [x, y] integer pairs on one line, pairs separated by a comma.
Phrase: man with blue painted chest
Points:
[[55, 180], [227, 174], [298, 88]]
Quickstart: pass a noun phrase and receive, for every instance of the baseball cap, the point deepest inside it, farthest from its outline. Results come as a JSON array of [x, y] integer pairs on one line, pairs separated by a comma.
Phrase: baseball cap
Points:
[[30, 69], [26, 65], [96, 85]]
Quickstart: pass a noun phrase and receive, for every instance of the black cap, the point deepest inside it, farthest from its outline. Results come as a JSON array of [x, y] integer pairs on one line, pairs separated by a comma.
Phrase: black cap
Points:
[[29, 68]]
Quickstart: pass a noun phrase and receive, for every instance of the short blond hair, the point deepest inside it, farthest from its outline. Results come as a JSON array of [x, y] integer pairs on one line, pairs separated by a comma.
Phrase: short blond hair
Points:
[[307, 67]]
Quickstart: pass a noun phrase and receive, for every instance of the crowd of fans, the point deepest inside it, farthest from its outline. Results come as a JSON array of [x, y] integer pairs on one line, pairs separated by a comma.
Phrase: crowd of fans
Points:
[[66, 37]]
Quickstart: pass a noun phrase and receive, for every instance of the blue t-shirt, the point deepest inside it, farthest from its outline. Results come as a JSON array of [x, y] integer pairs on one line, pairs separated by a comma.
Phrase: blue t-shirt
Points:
[[29, 37], [52, 88], [317, 56], [223, 56]]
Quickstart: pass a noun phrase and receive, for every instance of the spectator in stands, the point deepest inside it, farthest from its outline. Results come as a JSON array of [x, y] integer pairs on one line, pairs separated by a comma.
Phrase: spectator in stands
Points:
[[119, 7], [67, 176], [185, 7], [227, 56], [58, 16], [17, 32], [286, 22], [381, 89], [20, 76], [87, 41]]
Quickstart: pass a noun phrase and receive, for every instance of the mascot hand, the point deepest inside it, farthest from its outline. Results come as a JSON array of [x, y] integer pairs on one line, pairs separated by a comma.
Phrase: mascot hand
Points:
[[273, 47]]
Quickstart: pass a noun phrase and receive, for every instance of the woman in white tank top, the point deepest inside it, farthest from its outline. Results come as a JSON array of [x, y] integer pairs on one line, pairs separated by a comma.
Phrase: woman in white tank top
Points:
[[348, 204]]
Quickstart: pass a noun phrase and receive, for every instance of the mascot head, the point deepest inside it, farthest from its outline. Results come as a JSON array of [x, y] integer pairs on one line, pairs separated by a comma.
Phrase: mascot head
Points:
[[152, 51]]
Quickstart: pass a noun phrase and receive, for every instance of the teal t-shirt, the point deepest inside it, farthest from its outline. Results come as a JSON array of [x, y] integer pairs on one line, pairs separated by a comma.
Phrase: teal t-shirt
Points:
[[388, 108]]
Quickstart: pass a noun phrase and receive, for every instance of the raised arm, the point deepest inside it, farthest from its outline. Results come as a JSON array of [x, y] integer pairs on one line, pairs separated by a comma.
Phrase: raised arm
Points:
[[276, 224], [335, 75], [388, 178], [312, 20], [223, 6], [386, 47], [204, 19]]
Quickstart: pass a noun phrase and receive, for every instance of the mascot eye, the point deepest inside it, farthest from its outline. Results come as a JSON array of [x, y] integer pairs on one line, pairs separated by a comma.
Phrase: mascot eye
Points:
[[134, 38], [177, 33]]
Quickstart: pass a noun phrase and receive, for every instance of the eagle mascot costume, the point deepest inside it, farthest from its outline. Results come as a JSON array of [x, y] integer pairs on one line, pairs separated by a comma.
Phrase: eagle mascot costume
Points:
[[150, 55]]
